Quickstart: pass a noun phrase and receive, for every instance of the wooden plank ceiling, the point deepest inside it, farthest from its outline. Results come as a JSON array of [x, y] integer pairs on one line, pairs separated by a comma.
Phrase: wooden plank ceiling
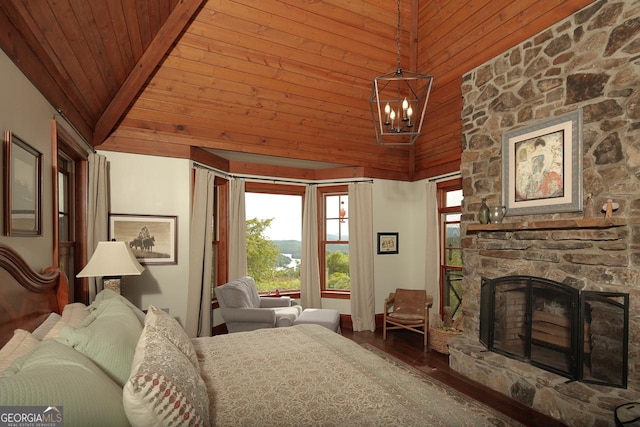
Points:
[[281, 78]]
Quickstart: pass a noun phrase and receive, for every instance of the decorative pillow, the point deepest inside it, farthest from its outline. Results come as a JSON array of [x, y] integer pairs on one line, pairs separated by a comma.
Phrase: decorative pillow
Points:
[[172, 331], [54, 374], [108, 336], [72, 315], [108, 294], [21, 343], [164, 388], [46, 326]]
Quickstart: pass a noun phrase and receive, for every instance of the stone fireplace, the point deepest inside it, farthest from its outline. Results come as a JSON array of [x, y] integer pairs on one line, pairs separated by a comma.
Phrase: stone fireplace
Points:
[[589, 61], [580, 335]]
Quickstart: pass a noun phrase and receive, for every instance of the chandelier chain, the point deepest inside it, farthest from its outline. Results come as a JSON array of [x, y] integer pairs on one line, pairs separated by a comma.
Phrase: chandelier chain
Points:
[[399, 100], [398, 35]]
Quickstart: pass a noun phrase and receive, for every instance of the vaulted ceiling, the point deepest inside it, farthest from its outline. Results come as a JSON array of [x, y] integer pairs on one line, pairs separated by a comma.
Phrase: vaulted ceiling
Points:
[[245, 79]]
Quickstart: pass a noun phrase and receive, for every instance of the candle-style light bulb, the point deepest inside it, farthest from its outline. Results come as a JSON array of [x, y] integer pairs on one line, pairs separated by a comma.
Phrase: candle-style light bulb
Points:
[[392, 115], [405, 106], [409, 115], [387, 110]]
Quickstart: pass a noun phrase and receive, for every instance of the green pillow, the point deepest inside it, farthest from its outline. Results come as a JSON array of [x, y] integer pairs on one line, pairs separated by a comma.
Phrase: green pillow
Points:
[[108, 336], [107, 295], [54, 374]]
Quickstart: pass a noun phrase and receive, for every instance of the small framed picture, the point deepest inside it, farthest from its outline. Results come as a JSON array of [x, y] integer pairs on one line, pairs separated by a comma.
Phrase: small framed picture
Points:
[[387, 243], [153, 239], [22, 188]]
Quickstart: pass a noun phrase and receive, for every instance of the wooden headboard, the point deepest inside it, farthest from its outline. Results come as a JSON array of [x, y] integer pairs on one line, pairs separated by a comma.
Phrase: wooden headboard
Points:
[[26, 296]]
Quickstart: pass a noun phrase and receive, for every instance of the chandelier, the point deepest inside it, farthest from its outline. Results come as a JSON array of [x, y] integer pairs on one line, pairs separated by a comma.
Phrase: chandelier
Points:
[[399, 102]]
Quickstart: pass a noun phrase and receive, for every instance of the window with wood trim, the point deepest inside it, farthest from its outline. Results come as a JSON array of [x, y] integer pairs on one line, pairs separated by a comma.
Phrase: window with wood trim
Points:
[[450, 212], [333, 238], [274, 236], [70, 203], [66, 235]]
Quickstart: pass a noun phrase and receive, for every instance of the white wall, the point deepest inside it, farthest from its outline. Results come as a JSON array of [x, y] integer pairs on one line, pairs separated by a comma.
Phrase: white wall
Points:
[[162, 186], [151, 185], [25, 112], [397, 207], [400, 207]]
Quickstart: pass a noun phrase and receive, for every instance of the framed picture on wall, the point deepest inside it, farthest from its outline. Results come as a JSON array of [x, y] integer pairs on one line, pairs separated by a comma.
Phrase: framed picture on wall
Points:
[[387, 243], [22, 188], [152, 238], [542, 167]]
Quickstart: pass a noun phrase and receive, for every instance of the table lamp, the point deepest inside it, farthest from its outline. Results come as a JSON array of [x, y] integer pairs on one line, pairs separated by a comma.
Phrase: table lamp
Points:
[[112, 261]]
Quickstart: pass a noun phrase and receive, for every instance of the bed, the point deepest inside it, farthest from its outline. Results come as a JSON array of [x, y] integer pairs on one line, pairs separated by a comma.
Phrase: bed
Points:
[[110, 364]]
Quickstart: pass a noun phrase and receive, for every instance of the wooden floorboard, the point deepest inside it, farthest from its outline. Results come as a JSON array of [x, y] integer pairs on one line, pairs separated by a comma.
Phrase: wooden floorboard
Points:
[[407, 346]]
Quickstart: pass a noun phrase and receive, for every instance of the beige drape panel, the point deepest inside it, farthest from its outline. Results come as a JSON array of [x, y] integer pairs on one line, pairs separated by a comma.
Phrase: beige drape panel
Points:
[[309, 269], [237, 230], [97, 212], [199, 312], [432, 263], [361, 256]]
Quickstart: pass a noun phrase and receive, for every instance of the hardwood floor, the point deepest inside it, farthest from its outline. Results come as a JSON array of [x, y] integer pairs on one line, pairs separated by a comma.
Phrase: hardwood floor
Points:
[[407, 346]]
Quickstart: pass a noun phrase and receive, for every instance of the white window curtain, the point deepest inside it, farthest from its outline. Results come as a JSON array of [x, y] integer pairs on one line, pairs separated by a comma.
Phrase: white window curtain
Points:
[[237, 230], [97, 212], [309, 269], [199, 313], [432, 263], [361, 256]]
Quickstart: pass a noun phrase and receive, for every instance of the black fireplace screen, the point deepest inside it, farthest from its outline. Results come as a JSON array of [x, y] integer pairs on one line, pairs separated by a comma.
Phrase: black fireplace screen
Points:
[[580, 335]]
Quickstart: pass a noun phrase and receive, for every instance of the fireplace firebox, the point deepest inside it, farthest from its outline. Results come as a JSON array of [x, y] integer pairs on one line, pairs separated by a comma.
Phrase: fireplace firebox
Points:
[[582, 335]]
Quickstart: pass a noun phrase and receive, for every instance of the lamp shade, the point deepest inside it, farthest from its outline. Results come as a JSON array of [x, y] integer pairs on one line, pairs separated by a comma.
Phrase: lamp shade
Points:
[[112, 259]]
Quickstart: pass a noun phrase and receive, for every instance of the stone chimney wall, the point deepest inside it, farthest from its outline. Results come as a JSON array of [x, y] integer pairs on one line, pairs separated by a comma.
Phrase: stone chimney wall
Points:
[[591, 61]]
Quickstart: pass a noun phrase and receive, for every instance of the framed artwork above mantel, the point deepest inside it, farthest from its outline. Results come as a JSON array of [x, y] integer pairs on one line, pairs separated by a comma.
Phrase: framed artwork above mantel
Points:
[[542, 167]]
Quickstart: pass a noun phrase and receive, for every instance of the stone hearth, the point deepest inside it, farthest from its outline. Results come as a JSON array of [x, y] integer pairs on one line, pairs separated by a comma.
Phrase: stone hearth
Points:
[[590, 60]]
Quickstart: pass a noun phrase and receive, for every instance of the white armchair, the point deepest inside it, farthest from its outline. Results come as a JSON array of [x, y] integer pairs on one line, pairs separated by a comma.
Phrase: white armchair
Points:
[[243, 309]]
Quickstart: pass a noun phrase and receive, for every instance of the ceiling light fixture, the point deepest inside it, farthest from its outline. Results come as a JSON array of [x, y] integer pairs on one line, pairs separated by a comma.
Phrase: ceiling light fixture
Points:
[[399, 102]]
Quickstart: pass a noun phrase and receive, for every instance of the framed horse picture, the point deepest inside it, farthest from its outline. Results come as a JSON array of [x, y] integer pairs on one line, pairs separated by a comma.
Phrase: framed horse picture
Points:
[[153, 239]]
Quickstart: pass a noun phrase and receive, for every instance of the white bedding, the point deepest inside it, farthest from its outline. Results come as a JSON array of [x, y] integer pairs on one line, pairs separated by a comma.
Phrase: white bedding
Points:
[[307, 375], [303, 375]]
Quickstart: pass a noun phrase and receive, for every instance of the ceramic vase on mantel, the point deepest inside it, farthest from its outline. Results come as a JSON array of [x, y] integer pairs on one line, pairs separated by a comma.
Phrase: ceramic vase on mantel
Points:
[[483, 213], [496, 213]]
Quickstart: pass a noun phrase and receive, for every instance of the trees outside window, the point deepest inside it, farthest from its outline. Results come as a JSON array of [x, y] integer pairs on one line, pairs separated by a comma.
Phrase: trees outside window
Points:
[[334, 241], [450, 209], [274, 236]]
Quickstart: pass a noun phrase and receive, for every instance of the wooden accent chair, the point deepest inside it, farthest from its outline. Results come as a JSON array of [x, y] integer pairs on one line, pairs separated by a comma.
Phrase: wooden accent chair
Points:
[[410, 311]]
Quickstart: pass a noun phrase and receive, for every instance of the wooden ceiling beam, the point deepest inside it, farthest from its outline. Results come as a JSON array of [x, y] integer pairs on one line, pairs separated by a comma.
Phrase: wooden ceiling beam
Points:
[[386, 158], [175, 24]]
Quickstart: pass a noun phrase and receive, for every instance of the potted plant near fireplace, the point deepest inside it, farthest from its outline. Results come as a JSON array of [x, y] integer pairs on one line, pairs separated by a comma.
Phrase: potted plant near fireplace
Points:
[[440, 335]]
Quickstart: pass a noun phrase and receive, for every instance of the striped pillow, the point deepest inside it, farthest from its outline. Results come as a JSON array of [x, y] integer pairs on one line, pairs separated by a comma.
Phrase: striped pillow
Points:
[[21, 343], [108, 336]]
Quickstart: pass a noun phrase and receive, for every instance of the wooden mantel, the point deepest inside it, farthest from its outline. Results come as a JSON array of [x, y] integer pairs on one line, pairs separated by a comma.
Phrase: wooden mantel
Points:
[[559, 224]]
